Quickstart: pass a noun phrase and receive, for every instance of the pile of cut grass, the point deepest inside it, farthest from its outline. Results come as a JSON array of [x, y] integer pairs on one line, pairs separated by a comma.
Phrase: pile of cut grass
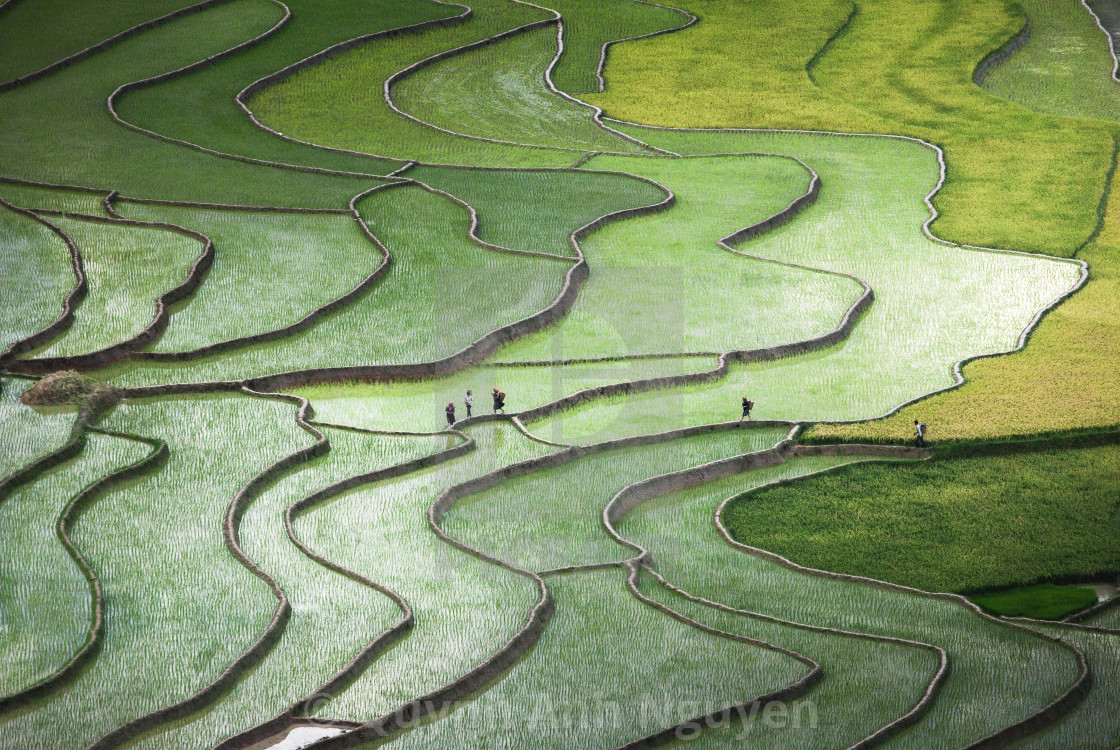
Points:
[[959, 525]]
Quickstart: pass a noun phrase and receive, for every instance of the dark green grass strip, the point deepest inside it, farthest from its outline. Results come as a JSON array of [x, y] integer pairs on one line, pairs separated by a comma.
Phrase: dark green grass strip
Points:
[[1044, 601], [966, 524]]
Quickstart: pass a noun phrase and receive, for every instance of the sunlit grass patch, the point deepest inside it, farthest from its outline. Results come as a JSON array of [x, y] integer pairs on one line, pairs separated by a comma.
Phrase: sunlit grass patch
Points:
[[963, 524]]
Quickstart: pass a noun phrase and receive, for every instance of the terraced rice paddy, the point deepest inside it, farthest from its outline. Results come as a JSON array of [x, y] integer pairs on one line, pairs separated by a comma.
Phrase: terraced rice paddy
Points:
[[676, 530], [1066, 67], [28, 433], [40, 281], [121, 300], [280, 243], [46, 600]]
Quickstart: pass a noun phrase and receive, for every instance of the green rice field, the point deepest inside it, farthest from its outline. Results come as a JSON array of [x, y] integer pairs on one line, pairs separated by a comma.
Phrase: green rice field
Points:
[[376, 374]]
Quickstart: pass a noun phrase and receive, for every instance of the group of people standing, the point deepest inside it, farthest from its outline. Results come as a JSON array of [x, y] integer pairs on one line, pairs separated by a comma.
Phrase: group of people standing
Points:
[[500, 408], [468, 401]]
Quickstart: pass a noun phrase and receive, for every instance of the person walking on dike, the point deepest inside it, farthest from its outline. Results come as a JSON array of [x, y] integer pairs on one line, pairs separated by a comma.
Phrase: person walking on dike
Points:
[[468, 402], [919, 434], [450, 410], [747, 406], [499, 402]]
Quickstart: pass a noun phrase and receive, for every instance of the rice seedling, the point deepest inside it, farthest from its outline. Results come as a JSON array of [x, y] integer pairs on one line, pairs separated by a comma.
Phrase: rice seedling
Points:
[[200, 107], [127, 268], [1109, 16], [874, 681], [1065, 379], [895, 68], [643, 267], [52, 199], [46, 598], [418, 405], [495, 92], [57, 130], [38, 34], [999, 675], [28, 433], [349, 88], [934, 304], [333, 617], [465, 608], [1091, 725], [962, 525], [179, 607], [537, 210], [35, 276], [589, 24], [559, 510], [441, 293], [608, 691], [1109, 618], [1065, 68], [292, 262]]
